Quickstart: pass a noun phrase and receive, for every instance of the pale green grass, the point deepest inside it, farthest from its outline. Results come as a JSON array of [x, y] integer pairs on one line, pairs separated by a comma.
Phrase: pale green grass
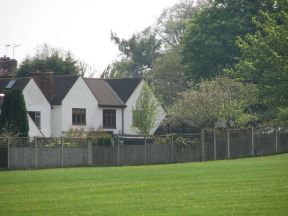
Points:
[[251, 186]]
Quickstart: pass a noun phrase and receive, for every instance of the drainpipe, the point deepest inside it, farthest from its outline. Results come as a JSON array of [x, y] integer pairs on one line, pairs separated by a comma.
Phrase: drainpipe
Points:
[[122, 120]]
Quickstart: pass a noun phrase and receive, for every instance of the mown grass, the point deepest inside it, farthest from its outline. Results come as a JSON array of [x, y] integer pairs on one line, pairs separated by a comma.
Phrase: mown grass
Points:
[[251, 186]]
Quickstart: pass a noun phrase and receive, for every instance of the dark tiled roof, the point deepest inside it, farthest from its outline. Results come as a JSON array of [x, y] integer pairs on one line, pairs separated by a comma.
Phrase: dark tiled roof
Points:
[[124, 87], [62, 85], [19, 84], [104, 93]]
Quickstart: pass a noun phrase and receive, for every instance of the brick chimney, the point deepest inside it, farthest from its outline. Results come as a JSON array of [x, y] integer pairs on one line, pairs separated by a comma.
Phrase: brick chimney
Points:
[[45, 82], [7, 67]]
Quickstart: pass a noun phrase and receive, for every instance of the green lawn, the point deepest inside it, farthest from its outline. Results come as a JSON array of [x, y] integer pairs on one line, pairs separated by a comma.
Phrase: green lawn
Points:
[[251, 186]]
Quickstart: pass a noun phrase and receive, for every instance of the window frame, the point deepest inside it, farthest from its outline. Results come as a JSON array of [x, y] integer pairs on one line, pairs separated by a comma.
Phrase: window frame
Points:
[[109, 118], [78, 116], [36, 117]]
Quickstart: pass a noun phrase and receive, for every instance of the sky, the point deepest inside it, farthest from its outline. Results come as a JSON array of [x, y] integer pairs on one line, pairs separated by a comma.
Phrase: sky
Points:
[[80, 26]]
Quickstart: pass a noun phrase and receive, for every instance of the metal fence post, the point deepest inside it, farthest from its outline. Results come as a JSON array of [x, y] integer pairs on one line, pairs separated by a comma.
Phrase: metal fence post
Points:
[[276, 139], [203, 143], [252, 141], [228, 144], [118, 151], [8, 153], [145, 150], [172, 147], [215, 144], [35, 151], [62, 152]]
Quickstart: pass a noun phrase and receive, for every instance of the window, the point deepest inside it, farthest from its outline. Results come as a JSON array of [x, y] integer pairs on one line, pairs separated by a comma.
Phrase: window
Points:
[[78, 116], [36, 117], [109, 118]]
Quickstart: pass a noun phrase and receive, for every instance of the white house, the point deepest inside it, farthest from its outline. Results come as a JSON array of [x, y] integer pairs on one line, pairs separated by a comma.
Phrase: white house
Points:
[[38, 107], [81, 103]]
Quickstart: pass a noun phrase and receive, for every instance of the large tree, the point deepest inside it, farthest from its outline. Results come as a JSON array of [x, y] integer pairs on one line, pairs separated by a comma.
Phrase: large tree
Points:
[[221, 99], [264, 58], [13, 118], [145, 112], [209, 43], [48, 58], [138, 54]]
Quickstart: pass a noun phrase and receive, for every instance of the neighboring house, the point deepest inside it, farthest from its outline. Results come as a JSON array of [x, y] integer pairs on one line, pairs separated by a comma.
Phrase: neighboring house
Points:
[[37, 106], [82, 103]]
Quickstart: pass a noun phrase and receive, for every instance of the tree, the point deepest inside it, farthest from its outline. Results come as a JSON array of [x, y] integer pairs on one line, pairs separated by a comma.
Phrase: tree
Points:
[[146, 111], [209, 42], [49, 58], [174, 20], [13, 118], [167, 77], [221, 99], [138, 54], [264, 58]]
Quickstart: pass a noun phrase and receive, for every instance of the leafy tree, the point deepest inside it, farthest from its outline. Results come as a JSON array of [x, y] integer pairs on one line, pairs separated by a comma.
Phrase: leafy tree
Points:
[[49, 58], [174, 20], [221, 99], [167, 77], [13, 118], [264, 59], [209, 43], [138, 52], [146, 111]]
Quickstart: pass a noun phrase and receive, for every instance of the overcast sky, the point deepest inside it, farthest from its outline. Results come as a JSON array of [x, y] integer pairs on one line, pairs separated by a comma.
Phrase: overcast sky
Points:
[[80, 26]]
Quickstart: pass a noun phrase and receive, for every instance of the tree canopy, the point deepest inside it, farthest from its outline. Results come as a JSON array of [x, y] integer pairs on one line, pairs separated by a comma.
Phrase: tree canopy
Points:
[[49, 59], [145, 112], [13, 118]]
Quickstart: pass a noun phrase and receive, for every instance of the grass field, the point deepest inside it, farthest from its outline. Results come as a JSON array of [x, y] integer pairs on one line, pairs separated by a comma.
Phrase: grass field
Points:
[[251, 186]]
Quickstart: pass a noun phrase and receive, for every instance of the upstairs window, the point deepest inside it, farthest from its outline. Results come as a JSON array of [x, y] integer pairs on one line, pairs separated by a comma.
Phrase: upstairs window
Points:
[[36, 117], [109, 118], [78, 116]]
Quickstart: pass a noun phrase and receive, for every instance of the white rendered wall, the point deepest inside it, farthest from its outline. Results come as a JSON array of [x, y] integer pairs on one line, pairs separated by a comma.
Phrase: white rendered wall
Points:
[[56, 121], [128, 114], [36, 101], [33, 129]]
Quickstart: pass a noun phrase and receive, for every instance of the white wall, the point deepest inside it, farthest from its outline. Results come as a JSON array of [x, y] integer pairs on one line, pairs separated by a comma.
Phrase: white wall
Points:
[[36, 101], [33, 129], [56, 121], [128, 114]]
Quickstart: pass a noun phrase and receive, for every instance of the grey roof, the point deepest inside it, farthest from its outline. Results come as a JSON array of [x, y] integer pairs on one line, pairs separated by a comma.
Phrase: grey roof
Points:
[[104, 93], [62, 85], [124, 87], [19, 84]]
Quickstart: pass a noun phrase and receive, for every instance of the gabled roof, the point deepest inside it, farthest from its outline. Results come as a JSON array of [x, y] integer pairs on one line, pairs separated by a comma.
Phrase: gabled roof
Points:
[[62, 85], [124, 87], [104, 93], [20, 83]]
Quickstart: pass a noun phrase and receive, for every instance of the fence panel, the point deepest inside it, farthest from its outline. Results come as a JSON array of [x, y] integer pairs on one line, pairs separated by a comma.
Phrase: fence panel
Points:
[[158, 153], [283, 139], [75, 152], [132, 154], [264, 141], [3, 152], [221, 144], [209, 145], [240, 143], [104, 155]]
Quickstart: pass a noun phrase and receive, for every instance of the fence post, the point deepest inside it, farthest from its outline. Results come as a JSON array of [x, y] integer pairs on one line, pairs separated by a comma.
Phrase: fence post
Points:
[[276, 139], [252, 143], [8, 153], [203, 143], [89, 151], [215, 144], [172, 147], [145, 150], [62, 152], [35, 151], [118, 151], [228, 143]]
